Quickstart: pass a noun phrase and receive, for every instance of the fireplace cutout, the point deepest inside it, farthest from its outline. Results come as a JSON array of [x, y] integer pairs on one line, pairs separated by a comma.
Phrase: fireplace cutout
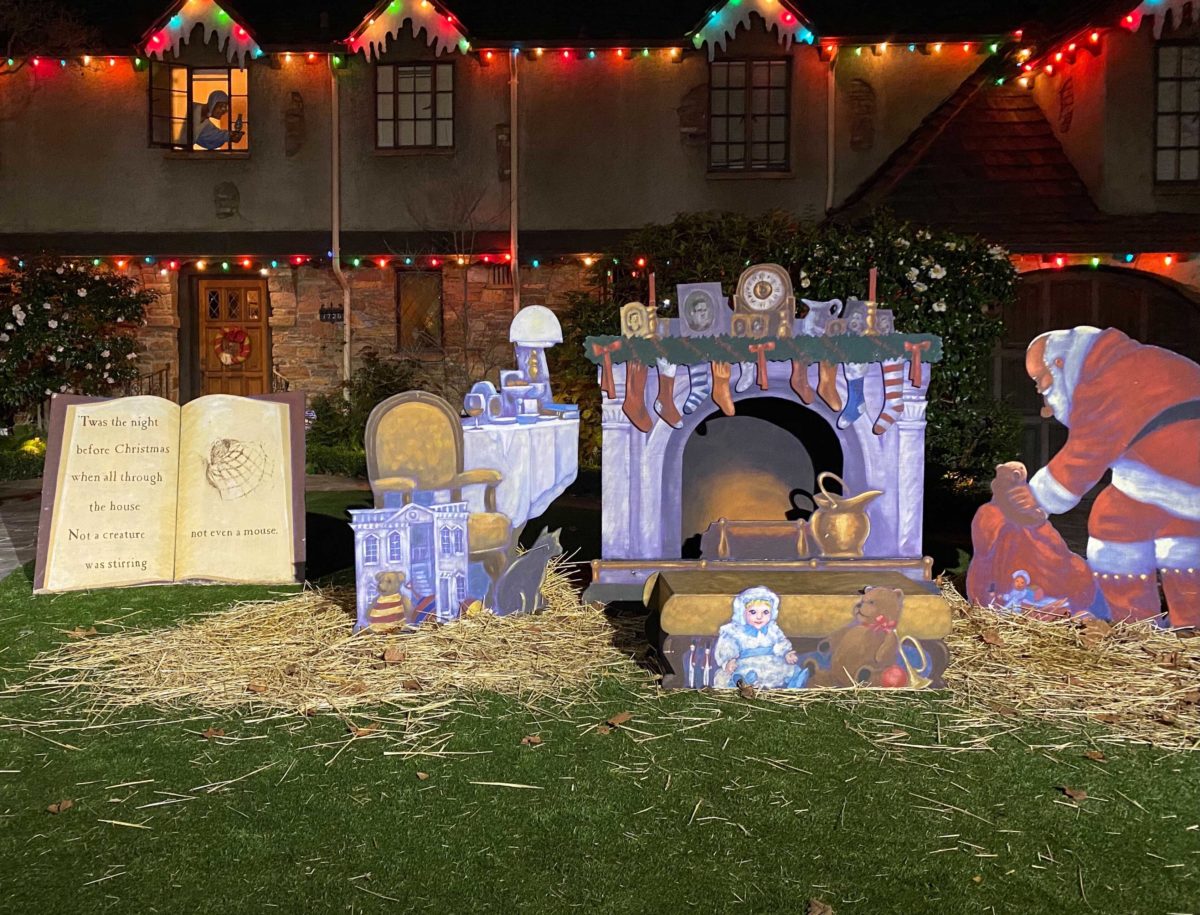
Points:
[[759, 465]]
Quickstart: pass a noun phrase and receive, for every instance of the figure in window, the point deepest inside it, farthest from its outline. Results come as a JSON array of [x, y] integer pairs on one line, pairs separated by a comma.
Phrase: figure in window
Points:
[[209, 118]]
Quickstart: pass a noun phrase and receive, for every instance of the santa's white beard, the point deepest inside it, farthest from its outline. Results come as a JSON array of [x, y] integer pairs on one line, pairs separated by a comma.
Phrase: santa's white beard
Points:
[[1058, 400]]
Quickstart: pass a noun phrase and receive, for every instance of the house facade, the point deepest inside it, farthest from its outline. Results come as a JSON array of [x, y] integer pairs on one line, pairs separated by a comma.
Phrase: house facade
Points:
[[421, 169]]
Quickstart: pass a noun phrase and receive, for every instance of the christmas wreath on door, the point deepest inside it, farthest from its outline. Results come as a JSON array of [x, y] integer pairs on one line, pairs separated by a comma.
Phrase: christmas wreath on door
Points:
[[232, 345]]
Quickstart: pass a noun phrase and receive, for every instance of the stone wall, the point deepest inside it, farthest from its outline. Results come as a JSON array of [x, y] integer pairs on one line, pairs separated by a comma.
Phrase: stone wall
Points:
[[476, 311]]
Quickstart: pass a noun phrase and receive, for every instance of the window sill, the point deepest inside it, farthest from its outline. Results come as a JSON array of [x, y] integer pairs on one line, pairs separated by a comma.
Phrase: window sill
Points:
[[1182, 189], [742, 175], [206, 155], [416, 151]]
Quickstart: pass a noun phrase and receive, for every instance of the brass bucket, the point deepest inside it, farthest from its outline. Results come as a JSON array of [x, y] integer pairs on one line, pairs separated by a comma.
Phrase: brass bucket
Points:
[[840, 526]]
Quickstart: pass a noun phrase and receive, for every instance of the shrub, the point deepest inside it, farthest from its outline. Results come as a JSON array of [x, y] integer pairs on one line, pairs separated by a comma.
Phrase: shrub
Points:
[[341, 460], [341, 422], [935, 282], [22, 454], [574, 378], [67, 328]]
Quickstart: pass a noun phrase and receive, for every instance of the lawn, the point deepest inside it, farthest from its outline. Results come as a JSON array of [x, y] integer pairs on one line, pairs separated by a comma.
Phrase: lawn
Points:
[[702, 800]]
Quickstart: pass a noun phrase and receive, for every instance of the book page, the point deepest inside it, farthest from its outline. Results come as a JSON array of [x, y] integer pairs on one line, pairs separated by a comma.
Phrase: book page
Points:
[[113, 519], [235, 492]]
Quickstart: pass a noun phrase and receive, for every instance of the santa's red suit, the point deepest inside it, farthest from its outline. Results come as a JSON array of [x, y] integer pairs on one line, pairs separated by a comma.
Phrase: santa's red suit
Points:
[[1135, 409]]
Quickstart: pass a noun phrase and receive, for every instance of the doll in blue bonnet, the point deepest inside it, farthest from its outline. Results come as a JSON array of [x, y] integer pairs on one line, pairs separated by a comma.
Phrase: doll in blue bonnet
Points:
[[751, 648]]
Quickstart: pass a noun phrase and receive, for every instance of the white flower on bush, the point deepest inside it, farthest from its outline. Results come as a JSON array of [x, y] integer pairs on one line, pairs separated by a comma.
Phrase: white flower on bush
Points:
[[951, 246], [939, 305], [920, 287], [52, 357], [88, 366], [105, 354], [902, 242], [47, 306], [52, 324], [82, 293], [131, 356], [58, 270], [997, 252], [59, 350], [48, 391], [4, 338], [63, 388], [937, 272], [912, 274], [20, 318], [9, 327], [805, 283], [924, 235], [107, 366], [110, 380]]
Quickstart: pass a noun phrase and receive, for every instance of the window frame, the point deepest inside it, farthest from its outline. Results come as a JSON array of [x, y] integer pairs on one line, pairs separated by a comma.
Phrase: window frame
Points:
[[189, 146], [747, 167], [1178, 148], [435, 115]]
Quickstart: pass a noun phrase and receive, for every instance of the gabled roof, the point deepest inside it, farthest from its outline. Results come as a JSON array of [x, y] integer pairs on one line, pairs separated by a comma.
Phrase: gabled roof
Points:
[[316, 24], [987, 162]]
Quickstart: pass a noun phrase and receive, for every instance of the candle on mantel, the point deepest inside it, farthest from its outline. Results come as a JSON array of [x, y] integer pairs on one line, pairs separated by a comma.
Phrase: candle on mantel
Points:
[[871, 303]]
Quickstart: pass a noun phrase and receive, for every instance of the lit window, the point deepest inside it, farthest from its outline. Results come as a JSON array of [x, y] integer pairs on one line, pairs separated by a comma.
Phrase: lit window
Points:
[[414, 106], [1177, 105], [395, 547], [418, 310], [370, 550], [203, 109], [749, 115]]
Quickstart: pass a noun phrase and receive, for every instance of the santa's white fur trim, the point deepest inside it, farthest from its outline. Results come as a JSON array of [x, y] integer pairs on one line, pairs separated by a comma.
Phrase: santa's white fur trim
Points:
[[1177, 551], [1072, 347], [1126, 558], [1051, 494], [1144, 484]]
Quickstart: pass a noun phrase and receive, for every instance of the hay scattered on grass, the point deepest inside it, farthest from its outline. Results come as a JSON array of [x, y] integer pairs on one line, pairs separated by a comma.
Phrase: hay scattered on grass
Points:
[[1140, 682], [300, 655]]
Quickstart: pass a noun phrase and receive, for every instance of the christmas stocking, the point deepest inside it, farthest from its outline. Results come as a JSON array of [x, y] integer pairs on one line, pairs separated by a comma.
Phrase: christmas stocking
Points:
[[827, 385], [854, 395], [700, 388], [720, 387], [664, 403], [745, 377], [893, 393], [635, 396], [800, 382]]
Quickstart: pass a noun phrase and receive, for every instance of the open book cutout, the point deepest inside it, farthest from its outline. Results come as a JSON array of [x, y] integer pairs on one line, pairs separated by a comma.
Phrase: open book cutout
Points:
[[139, 490]]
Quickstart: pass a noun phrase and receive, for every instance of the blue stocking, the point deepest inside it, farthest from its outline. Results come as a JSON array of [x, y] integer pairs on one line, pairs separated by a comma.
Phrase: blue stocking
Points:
[[854, 404]]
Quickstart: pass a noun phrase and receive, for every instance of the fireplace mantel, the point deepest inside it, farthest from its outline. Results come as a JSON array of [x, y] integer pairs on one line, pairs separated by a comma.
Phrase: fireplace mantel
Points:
[[642, 472]]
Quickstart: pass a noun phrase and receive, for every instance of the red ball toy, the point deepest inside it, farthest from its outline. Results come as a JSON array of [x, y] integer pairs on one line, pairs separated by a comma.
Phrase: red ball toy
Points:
[[894, 676]]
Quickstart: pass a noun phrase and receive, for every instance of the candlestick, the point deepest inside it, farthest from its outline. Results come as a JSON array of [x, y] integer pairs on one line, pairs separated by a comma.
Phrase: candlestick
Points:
[[871, 303]]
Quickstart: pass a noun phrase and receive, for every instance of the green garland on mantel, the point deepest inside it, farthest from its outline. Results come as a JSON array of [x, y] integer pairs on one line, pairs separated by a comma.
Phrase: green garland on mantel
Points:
[[689, 350]]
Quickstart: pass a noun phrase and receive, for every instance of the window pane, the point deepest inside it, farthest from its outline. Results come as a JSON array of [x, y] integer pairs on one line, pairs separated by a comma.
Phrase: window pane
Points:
[[1189, 66], [1189, 96], [445, 76], [424, 80], [737, 130], [720, 75], [445, 133], [1168, 61], [1189, 131], [1168, 96], [445, 104], [717, 156], [758, 101], [238, 81], [1168, 130], [385, 134], [385, 78], [719, 103], [761, 73], [778, 130], [737, 74], [385, 107], [737, 103], [758, 129], [779, 73], [1165, 166], [778, 155], [719, 130], [404, 79], [424, 104], [778, 101], [407, 135], [419, 310], [758, 153], [407, 106], [1189, 165], [424, 133]]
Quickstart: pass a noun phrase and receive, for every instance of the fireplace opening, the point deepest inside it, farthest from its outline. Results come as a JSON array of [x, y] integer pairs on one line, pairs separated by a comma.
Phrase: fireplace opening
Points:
[[760, 465]]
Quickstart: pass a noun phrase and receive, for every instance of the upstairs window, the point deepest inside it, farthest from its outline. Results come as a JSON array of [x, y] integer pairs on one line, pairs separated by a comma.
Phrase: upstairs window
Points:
[[414, 106], [200, 109], [749, 119], [1177, 127]]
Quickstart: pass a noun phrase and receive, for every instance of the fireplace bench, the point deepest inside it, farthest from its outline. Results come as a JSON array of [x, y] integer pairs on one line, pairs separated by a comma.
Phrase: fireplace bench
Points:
[[816, 608]]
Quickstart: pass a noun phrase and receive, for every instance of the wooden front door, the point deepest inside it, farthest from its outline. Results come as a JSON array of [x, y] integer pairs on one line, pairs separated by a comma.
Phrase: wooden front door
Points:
[[233, 337]]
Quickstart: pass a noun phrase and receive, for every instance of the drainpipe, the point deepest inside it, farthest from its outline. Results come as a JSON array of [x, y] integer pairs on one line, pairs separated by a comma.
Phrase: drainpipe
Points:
[[336, 219], [830, 134], [513, 159]]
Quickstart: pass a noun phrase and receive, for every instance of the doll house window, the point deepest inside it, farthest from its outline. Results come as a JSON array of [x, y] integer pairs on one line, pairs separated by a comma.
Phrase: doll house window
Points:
[[1177, 113], [458, 540], [395, 547], [370, 550], [446, 541], [460, 588], [414, 106], [749, 115], [199, 109]]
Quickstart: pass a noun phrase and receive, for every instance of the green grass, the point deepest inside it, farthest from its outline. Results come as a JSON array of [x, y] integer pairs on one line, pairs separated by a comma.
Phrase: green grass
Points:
[[616, 824]]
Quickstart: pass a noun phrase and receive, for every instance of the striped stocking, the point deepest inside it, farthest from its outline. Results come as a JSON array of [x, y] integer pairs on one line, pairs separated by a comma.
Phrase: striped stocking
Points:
[[700, 387], [893, 392]]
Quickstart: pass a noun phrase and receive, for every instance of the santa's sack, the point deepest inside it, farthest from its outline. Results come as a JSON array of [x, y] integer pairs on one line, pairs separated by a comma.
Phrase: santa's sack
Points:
[[1026, 568]]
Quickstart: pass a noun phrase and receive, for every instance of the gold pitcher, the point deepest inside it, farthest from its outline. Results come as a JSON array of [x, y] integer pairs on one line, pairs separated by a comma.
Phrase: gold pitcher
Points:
[[840, 525]]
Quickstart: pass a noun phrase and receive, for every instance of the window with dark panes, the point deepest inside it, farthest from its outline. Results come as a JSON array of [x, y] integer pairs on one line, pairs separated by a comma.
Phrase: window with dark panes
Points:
[[749, 113], [418, 310], [414, 106], [1177, 126], [202, 109]]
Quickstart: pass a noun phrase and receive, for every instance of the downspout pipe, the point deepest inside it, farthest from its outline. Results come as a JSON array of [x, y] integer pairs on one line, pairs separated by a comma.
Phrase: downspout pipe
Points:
[[336, 220], [513, 186], [830, 135]]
